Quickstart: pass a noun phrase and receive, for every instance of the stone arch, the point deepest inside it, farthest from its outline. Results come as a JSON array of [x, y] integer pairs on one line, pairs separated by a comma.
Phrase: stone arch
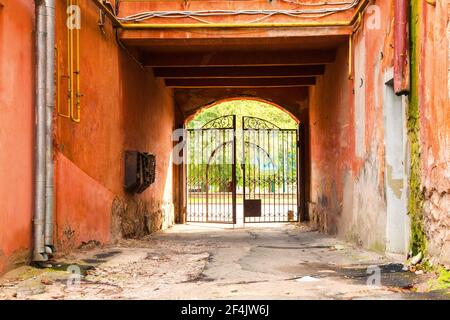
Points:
[[293, 101], [215, 103]]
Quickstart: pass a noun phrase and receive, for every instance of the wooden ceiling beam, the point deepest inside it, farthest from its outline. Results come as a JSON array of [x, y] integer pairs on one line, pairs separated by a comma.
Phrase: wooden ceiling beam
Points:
[[241, 82], [232, 59], [239, 72]]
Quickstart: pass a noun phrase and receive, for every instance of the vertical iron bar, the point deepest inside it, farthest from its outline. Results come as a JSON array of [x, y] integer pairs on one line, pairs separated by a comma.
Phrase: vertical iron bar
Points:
[[288, 173], [299, 177], [292, 148], [259, 165], [223, 176], [274, 178], [217, 175], [187, 164], [207, 175], [244, 159], [259, 172], [279, 207], [229, 174], [293, 139], [216, 202], [193, 176], [234, 169], [285, 172], [254, 163], [265, 182], [268, 177]]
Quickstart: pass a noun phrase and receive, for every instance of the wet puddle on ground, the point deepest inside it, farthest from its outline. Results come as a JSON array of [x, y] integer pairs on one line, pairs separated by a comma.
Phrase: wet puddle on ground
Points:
[[391, 275]]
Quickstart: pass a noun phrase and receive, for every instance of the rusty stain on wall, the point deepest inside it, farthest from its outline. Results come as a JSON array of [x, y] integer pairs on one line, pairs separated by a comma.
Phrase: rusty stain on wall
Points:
[[432, 71], [396, 185]]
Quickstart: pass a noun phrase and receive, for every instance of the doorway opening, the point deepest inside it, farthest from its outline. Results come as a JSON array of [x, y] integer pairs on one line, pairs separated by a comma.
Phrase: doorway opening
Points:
[[397, 225], [243, 164]]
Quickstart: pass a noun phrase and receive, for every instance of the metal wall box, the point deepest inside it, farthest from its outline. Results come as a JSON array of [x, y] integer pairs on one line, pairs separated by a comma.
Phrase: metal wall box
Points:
[[140, 169], [148, 162], [132, 171]]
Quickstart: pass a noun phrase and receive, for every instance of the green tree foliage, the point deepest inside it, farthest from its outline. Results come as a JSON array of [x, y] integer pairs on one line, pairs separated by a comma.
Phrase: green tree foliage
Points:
[[240, 108], [220, 171]]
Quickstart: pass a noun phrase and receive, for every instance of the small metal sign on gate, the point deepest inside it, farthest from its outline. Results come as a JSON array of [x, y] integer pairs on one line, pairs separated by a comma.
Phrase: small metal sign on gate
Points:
[[252, 208]]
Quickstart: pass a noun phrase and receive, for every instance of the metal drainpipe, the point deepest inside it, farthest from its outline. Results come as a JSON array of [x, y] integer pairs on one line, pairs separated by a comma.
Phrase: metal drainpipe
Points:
[[40, 141], [401, 47], [50, 105]]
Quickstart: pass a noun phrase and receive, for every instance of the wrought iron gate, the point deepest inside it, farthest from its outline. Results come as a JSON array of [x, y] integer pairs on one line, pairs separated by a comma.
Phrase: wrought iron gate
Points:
[[211, 172], [263, 188], [269, 167]]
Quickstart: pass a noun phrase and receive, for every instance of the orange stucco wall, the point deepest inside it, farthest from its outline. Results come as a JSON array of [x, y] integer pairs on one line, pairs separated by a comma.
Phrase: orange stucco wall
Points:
[[128, 8], [331, 140], [434, 104], [123, 108], [347, 138], [16, 129], [348, 195]]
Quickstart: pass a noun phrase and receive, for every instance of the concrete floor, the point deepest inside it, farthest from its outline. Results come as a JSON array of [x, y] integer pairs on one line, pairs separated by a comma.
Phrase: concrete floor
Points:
[[219, 262]]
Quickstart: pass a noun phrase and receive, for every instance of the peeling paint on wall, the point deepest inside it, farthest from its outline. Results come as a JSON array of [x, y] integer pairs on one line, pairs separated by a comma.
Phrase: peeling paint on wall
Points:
[[368, 216], [432, 97], [360, 96], [351, 111]]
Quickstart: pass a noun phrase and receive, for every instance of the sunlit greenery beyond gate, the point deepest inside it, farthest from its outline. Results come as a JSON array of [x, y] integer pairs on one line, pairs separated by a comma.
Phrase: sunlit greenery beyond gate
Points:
[[241, 108], [266, 162]]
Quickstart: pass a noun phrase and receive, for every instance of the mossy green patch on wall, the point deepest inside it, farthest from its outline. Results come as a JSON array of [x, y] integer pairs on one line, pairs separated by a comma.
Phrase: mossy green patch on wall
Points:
[[415, 202], [378, 247]]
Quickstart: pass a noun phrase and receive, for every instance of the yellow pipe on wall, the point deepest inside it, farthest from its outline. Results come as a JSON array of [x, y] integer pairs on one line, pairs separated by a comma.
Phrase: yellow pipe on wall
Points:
[[70, 64], [76, 115], [58, 88], [73, 73], [142, 26]]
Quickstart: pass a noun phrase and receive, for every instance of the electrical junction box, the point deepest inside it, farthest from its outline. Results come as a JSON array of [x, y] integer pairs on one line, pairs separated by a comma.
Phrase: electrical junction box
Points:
[[140, 171]]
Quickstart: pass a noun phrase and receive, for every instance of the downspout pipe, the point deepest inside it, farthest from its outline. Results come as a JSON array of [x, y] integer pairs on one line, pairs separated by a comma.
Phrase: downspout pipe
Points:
[[401, 47], [44, 169], [40, 139], [50, 107]]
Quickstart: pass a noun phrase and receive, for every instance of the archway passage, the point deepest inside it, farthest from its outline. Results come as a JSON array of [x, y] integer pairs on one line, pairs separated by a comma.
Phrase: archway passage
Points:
[[243, 168]]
